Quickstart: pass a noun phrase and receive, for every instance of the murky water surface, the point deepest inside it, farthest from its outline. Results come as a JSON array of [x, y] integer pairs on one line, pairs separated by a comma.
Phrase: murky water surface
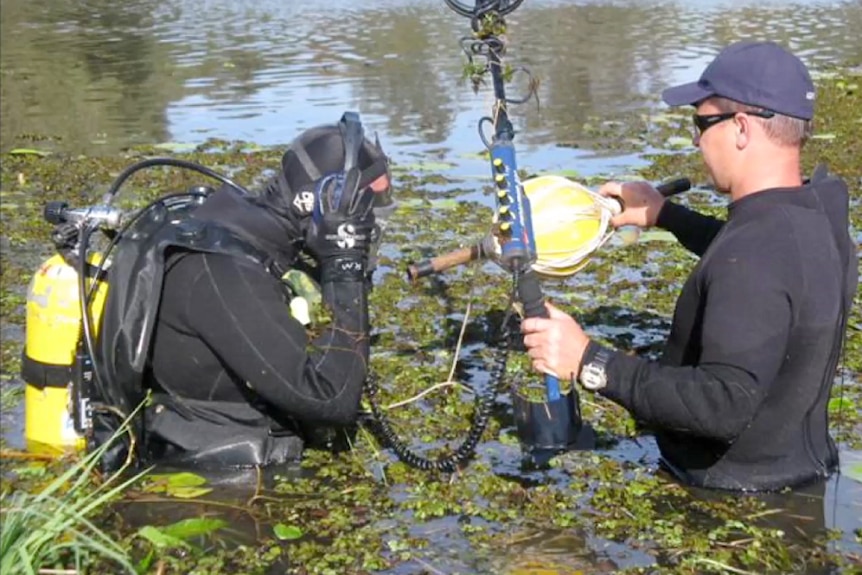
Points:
[[95, 76], [101, 75]]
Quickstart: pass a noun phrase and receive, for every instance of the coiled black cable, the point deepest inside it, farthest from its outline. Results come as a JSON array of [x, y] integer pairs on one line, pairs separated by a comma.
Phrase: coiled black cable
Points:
[[484, 405]]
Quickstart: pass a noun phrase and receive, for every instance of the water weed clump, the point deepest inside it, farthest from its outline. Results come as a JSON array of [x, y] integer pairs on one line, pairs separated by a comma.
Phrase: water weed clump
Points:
[[56, 527]]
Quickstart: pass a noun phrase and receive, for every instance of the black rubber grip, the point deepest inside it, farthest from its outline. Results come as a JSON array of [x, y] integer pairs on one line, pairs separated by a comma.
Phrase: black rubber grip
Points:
[[674, 187], [530, 294]]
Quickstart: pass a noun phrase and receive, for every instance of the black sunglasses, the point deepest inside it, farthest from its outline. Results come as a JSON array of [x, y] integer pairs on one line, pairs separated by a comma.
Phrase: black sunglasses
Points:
[[704, 121]]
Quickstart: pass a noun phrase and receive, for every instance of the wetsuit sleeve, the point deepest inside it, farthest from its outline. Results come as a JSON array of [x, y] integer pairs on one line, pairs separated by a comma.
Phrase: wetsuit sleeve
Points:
[[240, 312], [694, 230], [746, 326]]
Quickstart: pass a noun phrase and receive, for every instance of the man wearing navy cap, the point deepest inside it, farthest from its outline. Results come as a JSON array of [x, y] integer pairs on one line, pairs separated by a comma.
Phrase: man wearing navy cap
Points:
[[739, 397]]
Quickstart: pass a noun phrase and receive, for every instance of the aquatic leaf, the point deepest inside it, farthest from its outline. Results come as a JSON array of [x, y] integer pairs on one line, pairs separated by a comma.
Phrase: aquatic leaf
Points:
[[187, 492], [483, 155], [837, 404], [572, 174], [445, 204], [664, 117], [424, 167], [176, 147], [657, 236], [287, 532], [28, 152], [540, 570], [184, 485], [182, 479], [420, 204], [193, 527], [678, 142], [474, 177], [628, 178], [854, 471], [824, 75], [161, 539]]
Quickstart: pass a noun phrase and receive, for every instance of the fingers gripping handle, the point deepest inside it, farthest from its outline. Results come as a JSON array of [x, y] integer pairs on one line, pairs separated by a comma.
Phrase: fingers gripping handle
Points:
[[666, 189], [530, 294]]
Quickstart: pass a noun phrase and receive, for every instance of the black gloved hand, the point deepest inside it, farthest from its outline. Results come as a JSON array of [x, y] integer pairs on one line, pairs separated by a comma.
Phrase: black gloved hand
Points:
[[342, 228]]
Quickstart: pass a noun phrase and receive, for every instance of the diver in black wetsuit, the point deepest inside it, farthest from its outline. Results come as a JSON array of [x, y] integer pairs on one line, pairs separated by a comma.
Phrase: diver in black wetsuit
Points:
[[739, 398], [235, 379]]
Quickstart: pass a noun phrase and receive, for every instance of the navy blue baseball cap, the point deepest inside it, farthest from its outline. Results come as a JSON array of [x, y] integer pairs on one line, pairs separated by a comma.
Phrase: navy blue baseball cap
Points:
[[761, 74]]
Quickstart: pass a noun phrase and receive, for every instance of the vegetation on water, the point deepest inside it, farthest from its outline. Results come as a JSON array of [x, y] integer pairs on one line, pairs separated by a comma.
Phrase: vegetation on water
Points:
[[596, 511]]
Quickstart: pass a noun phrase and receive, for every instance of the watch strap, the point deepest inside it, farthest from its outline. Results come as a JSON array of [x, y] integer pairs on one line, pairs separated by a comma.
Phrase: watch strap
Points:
[[589, 354], [593, 372]]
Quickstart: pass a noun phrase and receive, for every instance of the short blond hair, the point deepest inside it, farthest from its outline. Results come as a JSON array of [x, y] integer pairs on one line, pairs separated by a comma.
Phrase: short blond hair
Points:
[[783, 130]]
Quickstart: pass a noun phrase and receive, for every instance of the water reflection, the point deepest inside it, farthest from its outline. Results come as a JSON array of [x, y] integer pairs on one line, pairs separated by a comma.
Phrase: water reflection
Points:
[[102, 75]]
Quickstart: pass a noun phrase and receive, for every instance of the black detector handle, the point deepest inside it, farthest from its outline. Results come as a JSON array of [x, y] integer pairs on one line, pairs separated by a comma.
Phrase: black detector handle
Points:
[[674, 187]]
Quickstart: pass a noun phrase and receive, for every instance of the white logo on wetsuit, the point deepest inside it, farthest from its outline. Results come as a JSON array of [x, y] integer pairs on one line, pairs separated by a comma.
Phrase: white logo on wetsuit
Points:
[[304, 202]]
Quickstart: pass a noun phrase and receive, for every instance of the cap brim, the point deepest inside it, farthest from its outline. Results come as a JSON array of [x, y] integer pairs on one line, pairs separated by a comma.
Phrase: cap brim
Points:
[[686, 94]]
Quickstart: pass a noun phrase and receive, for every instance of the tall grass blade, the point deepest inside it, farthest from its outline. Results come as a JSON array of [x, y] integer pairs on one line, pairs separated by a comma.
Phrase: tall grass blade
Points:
[[42, 530]]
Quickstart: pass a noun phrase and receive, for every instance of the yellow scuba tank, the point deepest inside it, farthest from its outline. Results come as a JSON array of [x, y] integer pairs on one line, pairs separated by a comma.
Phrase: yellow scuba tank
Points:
[[53, 332]]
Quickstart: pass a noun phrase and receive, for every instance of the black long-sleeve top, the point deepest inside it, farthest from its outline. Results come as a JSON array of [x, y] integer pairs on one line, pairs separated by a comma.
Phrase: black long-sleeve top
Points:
[[738, 399]]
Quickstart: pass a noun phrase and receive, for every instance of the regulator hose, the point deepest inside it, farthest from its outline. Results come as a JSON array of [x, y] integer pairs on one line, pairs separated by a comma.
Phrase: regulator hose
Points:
[[150, 162]]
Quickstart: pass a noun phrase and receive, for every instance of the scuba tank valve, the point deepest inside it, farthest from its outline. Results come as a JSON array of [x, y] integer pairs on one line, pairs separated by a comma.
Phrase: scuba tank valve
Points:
[[105, 217]]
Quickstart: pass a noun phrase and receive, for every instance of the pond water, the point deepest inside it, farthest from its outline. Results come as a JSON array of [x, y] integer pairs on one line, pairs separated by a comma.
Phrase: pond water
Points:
[[96, 76]]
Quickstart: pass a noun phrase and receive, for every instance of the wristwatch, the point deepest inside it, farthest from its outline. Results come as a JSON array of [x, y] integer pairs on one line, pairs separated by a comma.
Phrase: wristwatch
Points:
[[593, 375]]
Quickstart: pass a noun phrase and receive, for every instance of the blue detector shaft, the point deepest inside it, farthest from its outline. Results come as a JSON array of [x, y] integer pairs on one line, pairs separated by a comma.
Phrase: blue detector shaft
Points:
[[515, 227]]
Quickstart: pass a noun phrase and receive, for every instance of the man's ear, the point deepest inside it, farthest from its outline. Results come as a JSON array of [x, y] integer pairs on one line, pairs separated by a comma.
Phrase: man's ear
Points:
[[743, 131]]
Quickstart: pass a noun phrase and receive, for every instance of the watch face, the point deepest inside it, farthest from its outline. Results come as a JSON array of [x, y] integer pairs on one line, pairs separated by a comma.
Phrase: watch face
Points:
[[593, 376]]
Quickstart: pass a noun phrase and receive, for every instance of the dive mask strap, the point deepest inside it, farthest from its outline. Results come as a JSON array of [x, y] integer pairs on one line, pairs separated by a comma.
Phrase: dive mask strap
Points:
[[338, 193], [352, 134], [348, 192]]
